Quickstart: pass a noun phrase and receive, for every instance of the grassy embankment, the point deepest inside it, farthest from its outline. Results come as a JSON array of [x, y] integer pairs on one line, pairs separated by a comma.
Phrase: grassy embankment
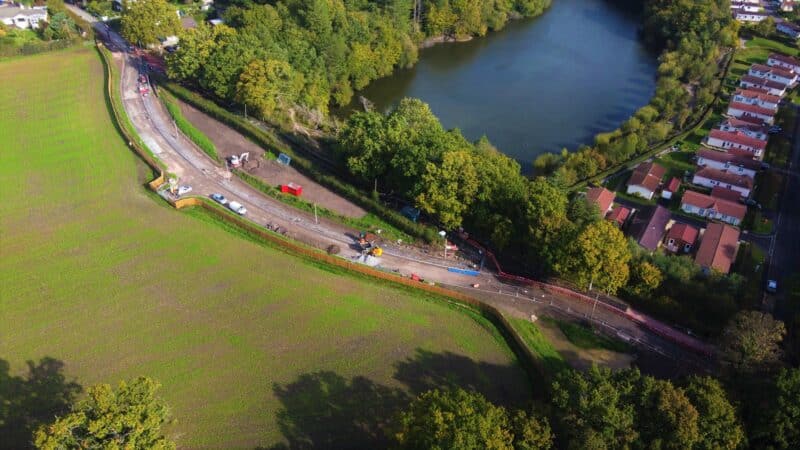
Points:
[[253, 347]]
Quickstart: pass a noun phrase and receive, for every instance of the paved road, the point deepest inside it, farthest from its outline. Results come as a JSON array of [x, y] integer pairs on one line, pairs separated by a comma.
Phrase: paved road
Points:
[[784, 253], [194, 168]]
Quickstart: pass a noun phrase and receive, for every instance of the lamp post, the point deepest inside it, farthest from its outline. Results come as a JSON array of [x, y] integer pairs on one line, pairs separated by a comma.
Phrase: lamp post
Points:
[[443, 234]]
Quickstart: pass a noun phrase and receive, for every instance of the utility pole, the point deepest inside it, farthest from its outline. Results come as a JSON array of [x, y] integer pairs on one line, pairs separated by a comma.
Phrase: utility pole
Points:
[[245, 111], [316, 220], [594, 306]]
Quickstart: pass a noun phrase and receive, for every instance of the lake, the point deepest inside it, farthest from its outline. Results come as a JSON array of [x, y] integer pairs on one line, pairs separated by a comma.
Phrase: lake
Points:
[[539, 84]]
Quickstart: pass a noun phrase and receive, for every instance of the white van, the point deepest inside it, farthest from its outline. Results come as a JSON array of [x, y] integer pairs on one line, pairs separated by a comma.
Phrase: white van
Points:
[[237, 208]]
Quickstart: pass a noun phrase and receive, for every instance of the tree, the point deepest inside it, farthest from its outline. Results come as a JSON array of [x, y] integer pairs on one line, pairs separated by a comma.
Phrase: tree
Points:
[[128, 417], [719, 429], [751, 341], [531, 433], [780, 424], [599, 257], [546, 218], [454, 419], [646, 278], [269, 86], [765, 27], [61, 26], [592, 411], [144, 21], [449, 188], [666, 419]]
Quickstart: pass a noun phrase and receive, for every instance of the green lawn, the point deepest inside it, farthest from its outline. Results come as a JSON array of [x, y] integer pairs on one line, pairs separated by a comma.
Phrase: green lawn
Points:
[[583, 337], [550, 360], [253, 347]]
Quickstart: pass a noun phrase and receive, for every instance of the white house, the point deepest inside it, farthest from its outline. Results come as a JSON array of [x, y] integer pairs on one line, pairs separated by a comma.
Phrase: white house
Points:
[[752, 130], [787, 5], [772, 87], [789, 28], [773, 73], [21, 17], [736, 142], [784, 62], [739, 110], [744, 16], [711, 178], [729, 162], [713, 208], [645, 180], [754, 97], [745, 6]]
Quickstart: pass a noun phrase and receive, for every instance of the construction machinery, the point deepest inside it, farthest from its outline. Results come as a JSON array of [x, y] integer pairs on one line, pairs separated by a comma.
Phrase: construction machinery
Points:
[[368, 246], [237, 160]]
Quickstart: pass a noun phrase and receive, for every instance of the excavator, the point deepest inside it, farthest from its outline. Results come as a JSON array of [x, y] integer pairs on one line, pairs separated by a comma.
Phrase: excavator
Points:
[[367, 243]]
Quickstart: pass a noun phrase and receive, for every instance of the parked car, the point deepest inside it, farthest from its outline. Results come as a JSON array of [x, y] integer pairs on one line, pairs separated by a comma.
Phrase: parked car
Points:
[[185, 189], [219, 198], [772, 286], [237, 208]]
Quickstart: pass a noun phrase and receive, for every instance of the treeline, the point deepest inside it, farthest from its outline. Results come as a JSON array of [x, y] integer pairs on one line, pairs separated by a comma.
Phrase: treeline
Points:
[[692, 35], [409, 155], [297, 57]]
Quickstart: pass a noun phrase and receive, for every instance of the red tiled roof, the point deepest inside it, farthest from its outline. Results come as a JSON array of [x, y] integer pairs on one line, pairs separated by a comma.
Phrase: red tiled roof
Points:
[[731, 159], [763, 82], [725, 193], [723, 206], [737, 137], [651, 231], [619, 214], [718, 247], [763, 68], [601, 197], [647, 175], [725, 177], [753, 109], [752, 93], [674, 185], [749, 125], [684, 233], [785, 59]]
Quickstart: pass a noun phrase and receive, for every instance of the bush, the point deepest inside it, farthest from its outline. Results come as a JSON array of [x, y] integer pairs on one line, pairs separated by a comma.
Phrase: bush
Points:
[[189, 130]]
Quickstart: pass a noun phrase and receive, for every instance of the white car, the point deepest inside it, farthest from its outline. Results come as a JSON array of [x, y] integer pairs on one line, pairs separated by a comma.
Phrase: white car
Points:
[[237, 208], [185, 189], [772, 286]]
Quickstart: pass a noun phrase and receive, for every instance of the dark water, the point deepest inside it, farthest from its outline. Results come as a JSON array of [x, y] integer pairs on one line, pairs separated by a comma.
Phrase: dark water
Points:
[[538, 85]]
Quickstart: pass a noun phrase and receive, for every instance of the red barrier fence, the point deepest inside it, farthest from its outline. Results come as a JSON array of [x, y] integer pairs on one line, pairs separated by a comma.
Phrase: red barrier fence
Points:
[[659, 328]]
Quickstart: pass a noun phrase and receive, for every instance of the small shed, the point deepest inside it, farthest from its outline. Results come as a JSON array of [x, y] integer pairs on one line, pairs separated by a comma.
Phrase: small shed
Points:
[[292, 188], [672, 188]]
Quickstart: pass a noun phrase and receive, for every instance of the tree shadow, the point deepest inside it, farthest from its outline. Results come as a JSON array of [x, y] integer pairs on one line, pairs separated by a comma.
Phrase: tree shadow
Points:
[[504, 385], [325, 410], [32, 399]]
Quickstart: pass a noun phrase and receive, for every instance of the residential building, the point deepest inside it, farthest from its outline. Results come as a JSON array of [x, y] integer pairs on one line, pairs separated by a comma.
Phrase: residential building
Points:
[[773, 73], [728, 162], [740, 110], [737, 6], [757, 131], [725, 194], [681, 238], [784, 62], [745, 16], [671, 188], [22, 17], [736, 142], [715, 208], [619, 214], [789, 29], [755, 97], [645, 179], [718, 248], [601, 197], [772, 87], [648, 227], [711, 178], [787, 5]]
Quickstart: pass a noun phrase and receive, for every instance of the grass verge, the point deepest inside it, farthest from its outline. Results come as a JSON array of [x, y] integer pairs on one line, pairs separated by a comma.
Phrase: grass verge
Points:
[[186, 127], [549, 360], [584, 337]]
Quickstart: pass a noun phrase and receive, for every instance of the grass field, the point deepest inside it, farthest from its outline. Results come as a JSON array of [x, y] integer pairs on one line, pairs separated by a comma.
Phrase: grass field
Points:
[[253, 347]]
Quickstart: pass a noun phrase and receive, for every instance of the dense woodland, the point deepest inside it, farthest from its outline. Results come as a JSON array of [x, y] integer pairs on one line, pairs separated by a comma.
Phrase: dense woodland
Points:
[[305, 56]]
